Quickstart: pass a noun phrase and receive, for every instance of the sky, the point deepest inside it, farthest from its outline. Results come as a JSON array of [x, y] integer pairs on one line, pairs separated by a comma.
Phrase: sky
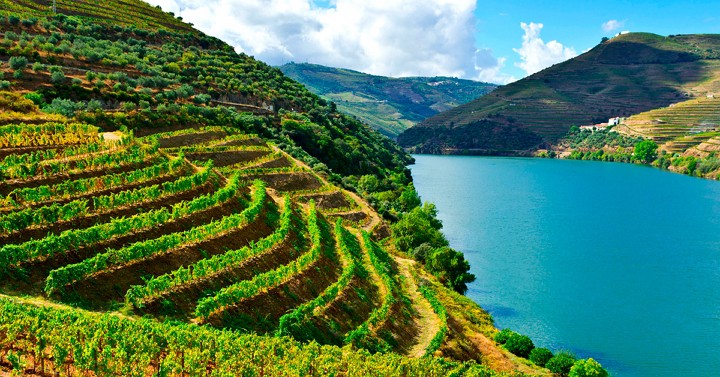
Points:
[[496, 41]]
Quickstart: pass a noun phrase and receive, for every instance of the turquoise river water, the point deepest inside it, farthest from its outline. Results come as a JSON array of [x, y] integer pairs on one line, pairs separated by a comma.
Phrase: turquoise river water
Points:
[[612, 261]]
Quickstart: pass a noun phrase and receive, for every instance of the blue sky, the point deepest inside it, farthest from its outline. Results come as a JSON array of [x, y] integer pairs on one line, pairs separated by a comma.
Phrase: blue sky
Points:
[[579, 24], [496, 41]]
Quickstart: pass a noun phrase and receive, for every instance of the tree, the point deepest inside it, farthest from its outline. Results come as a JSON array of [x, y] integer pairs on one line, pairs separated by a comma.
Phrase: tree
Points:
[[18, 62], [604, 39], [451, 268], [646, 151], [57, 77], [540, 356], [561, 363], [520, 345], [417, 227], [587, 368]]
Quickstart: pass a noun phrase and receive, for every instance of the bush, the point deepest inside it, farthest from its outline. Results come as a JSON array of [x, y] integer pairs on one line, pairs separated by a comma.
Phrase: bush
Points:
[[450, 267], [36, 97], [540, 356], [587, 368], [646, 151], [18, 62], [520, 345], [561, 363], [4, 84], [57, 77], [421, 252], [503, 336]]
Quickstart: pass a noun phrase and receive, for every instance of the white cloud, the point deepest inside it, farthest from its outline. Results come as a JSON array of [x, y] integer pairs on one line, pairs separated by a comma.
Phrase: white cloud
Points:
[[535, 54], [391, 38], [612, 25]]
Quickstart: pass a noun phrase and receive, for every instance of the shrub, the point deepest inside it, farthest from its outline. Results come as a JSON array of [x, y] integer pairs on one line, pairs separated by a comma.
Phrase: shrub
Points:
[[540, 356], [36, 97], [13, 20], [561, 363], [4, 84], [520, 345], [57, 77], [421, 252], [18, 62], [503, 336], [587, 368], [646, 151]]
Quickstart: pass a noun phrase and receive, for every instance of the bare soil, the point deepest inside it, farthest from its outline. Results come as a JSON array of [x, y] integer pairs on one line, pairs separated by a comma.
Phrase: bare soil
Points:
[[226, 158], [280, 162], [286, 182], [191, 139], [326, 201]]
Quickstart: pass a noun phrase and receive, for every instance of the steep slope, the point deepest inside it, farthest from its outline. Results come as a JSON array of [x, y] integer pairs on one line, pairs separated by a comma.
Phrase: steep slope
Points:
[[389, 105], [149, 170], [626, 75]]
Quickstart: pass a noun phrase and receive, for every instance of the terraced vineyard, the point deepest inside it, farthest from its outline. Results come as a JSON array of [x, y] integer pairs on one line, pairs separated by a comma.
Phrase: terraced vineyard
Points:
[[206, 226], [148, 225], [679, 127]]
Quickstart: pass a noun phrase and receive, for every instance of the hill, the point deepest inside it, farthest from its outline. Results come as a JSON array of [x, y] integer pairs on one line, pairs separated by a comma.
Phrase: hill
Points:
[[626, 75], [163, 197], [389, 105]]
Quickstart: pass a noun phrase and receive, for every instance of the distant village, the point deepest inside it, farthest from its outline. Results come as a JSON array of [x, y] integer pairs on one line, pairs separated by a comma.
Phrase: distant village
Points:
[[602, 126]]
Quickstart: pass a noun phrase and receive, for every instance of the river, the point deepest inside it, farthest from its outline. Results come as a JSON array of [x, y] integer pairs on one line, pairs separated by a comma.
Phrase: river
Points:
[[612, 261]]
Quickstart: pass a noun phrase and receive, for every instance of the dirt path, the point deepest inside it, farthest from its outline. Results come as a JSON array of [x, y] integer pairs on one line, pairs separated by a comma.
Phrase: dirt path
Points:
[[427, 322]]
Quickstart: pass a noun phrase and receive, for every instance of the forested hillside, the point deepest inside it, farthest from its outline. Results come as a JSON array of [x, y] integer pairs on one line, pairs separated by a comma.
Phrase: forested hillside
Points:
[[389, 105]]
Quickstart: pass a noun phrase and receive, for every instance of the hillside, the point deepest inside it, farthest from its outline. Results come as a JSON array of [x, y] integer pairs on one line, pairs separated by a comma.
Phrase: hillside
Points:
[[170, 207], [629, 74], [389, 105]]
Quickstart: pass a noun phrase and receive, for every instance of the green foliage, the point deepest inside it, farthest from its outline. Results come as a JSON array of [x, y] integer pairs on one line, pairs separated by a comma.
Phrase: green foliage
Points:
[[36, 97], [503, 336], [540, 356], [162, 285], [232, 294], [57, 77], [417, 227], [361, 336], [587, 368], [115, 345], [520, 345], [646, 151], [18, 62], [450, 267], [14, 254], [63, 276], [421, 252], [349, 248], [561, 363]]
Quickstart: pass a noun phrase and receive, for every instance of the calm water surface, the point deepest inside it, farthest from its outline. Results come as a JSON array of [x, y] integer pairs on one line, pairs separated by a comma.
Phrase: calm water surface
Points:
[[613, 261]]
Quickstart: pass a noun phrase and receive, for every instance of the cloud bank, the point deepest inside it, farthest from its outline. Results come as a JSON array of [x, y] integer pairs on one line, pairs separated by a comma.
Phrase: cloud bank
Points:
[[390, 38], [535, 54]]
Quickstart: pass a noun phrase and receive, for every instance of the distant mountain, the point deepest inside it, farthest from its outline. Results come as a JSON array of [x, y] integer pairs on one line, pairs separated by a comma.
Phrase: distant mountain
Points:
[[389, 105], [626, 75]]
